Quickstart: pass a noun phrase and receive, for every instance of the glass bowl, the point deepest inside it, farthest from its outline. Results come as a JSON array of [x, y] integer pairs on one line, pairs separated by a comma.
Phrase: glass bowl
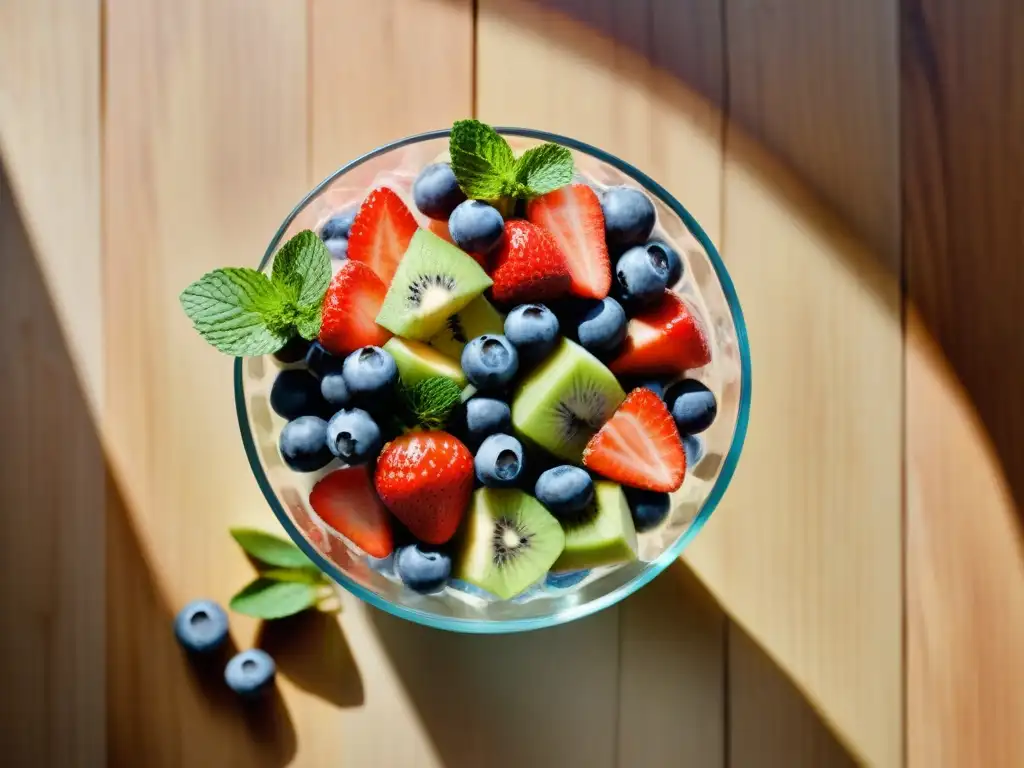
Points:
[[712, 456]]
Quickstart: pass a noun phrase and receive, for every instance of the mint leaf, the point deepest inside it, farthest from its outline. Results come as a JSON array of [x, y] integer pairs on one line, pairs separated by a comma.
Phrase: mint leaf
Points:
[[302, 269], [269, 599], [270, 549], [230, 309], [483, 162], [544, 169], [430, 402], [296, 575]]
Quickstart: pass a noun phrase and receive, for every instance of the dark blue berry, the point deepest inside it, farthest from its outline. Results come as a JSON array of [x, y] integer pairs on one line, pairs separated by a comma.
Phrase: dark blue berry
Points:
[[602, 327], [533, 329], [250, 673], [565, 490], [476, 227], [489, 362], [320, 361], [303, 444], [656, 386], [295, 393], [370, 374], [671, 256], [436, 192], [486, 416], [649, 508], [641, 275], [201, 626], [499, 461], [353, 436], [693, 406], [693, 447], [628, 216], [334, 390], [422, 569], [339, 225], [293, 351], [384, 565], [338, 247]]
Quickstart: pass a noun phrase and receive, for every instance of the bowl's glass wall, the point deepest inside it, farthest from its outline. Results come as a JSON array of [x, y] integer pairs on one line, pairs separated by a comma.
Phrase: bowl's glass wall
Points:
[[704, 283]]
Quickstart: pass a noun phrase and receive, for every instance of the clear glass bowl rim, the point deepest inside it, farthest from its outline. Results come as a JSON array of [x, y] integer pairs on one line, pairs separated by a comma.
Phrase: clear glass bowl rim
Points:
[[574, 612]]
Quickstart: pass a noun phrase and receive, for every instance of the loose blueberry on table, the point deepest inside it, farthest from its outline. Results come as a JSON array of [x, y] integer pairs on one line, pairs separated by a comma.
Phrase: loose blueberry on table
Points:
[[250, 673], [486, 367], [201, 626]]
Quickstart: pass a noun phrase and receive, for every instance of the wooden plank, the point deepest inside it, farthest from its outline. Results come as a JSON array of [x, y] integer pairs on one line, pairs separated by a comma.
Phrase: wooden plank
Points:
[[963, 158], [805, 551], [607, 74], [51, 477]]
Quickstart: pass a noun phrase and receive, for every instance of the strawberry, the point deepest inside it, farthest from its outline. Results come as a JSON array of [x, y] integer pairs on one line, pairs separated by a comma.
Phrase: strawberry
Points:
[[529, 265], [346, 501], [381, 232], [426, 479], [440, 228], [639, 446], [667, 338], [573, 216], [350, 308]]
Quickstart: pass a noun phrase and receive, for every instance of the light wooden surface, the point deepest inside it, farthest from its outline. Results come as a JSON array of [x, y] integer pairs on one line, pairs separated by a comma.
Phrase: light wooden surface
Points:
[[780, 642]]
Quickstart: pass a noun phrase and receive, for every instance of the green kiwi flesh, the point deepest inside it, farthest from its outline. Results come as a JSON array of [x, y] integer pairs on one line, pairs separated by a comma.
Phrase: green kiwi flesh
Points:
[[416, 361], [434, 280], [605, 536], [475, 319], [565, 400], [507, 542]]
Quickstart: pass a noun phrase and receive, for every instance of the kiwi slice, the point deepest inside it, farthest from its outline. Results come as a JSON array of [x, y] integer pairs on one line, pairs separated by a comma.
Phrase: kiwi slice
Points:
[[507, 542], [434, 280], [416, 362], [603, 535], [475, 319], [565, 400]]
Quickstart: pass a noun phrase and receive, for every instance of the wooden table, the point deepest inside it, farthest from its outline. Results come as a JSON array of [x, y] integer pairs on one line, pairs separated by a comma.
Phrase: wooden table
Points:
[[859, 595]]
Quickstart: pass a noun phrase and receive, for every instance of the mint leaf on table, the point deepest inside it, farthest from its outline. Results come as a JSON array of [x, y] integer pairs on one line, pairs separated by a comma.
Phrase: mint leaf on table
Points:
[[271, 550], [303, 267], [296, 575], [230, 308], [483, 162], [269, 599], [544, 169]]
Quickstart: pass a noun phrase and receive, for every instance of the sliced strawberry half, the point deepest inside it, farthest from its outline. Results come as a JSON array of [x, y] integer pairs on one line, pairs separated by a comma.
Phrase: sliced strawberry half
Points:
[[573, 216], [667, 338], [346, 501], [529, 266], [639, 446], [381, 232], [350, 307]]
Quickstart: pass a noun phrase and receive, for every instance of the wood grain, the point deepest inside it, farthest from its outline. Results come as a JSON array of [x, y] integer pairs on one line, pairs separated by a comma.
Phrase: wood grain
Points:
[[963, 159]]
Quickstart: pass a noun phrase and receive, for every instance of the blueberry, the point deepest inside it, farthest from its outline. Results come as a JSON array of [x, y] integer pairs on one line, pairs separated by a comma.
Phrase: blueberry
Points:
[[499, 461], [476, 227], [250, 673], [533, 329], [486, 416], [353, 436], [303, 444], [649, 508], [370, 375], [641, 275], [296, 393], [338, 246], [293, 351], [693, 406], [565, 580], [693, 447], [201, 626], [666, 251], [628, 216], [602, 327], [436, 192], [564, 490], [489, 362], [320, 361], [656, 386], [421, 569], [339, 225], [384, 565], [334, 390]]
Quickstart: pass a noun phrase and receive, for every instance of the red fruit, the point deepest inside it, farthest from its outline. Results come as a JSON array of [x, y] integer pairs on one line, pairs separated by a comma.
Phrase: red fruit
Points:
[[346, 501], [573, 216], [639, 446], [426, 479], [667, 338], [351, 305], [529, 265], [381, 232]]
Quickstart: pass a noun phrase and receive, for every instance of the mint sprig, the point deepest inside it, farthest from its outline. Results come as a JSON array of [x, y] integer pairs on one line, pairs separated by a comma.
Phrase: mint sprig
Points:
[[244, 312], [487, 169], [430, 402]]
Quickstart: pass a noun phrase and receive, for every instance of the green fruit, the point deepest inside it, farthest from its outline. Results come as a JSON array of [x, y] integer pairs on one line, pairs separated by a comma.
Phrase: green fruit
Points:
[[507, 542], [416, 362], [565, 400], [434, 280], [477, 318], [603, 536]]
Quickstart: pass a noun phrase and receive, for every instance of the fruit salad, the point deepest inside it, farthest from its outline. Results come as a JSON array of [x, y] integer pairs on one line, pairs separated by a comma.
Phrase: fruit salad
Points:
[[490, 377]]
